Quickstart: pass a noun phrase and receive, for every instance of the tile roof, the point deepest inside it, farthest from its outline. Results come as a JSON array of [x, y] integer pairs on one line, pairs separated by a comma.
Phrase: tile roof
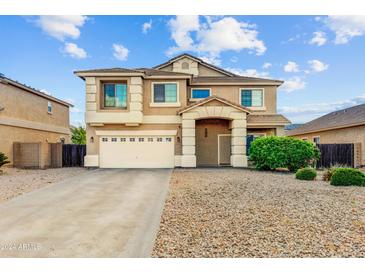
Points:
[[146, 71], [233, 79], [32, 90], [210, 98], [267, 119], [337, 119]]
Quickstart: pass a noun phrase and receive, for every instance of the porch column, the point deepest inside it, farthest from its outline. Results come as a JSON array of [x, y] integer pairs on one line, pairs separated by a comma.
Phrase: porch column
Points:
[[188, 158], [238, 140]]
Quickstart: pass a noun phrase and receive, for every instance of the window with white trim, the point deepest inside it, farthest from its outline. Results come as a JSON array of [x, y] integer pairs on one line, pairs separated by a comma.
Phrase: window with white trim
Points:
[[49, 107], [252, 97], [200, 93], [115, 95], [165, 93]]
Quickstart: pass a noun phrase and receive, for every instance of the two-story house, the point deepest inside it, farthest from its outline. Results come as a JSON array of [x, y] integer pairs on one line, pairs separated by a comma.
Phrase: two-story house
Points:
[[30, 116], [182, 113]]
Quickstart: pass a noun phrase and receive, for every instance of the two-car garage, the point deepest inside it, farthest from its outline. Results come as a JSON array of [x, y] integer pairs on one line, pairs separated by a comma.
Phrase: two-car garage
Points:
[[137, 151]]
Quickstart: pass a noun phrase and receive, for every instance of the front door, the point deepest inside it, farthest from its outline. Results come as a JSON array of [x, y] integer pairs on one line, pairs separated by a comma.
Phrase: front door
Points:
[[206, 142]]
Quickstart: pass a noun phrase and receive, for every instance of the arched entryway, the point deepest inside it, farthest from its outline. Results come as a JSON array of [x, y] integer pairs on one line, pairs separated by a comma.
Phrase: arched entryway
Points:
[[213, 142], [198, 117]]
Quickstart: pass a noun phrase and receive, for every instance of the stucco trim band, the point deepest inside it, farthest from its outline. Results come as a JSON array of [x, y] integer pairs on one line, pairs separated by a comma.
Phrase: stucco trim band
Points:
[[33, 125]]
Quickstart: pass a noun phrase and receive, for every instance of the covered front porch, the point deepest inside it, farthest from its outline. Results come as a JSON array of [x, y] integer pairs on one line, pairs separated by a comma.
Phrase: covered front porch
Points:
[[214, 133]]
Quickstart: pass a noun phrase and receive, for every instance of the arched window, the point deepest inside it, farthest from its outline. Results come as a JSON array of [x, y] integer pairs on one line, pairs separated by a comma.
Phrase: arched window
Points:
[[185, 65]]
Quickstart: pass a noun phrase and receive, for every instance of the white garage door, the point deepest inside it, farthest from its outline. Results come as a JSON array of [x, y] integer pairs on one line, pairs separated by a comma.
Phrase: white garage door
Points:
[[137, 152]]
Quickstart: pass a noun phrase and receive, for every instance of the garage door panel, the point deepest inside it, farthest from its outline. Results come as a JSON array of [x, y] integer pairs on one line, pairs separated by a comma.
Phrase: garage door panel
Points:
[[137, 152]]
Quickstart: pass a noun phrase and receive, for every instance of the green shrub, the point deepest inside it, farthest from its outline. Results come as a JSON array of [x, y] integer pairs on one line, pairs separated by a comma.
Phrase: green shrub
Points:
[[327, 174], [307, 174], [270, 153], [347, 177], [3, 160]]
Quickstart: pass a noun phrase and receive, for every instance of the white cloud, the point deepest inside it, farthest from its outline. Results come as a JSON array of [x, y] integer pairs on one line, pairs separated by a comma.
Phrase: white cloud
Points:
[[214, 36], [61, 26], [120, 52], [45, 91], [234, 59], [74, 51], [69, 100], [146, 26], [181, 27], [319, 38], [212, 59], [317, 66], [248, 72], [266, 65], [292, 84], [310, 111], [346, 27], [291, 67], [75, 110]]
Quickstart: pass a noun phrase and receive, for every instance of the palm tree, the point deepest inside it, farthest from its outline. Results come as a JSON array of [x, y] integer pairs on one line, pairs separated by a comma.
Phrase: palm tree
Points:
[[78, 135]]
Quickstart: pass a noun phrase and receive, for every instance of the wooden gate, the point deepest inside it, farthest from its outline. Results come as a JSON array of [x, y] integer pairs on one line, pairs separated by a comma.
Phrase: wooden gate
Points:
[[336, 154], [73, 155]]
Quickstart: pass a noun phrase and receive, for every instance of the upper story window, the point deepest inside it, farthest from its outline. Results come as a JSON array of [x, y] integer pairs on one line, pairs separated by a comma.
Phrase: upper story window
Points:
[[200, 93], [252, 97], [49, 107], [115, 95], [165, 93]]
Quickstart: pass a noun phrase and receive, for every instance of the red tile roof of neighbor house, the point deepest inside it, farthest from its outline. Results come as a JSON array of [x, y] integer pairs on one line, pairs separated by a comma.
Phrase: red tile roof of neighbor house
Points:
[[353, 116], [24, 87]]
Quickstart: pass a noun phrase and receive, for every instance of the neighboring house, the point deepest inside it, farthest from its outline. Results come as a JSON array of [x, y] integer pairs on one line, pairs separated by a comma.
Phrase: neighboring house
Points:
[[30, 116], [184, 112], [338, 127]]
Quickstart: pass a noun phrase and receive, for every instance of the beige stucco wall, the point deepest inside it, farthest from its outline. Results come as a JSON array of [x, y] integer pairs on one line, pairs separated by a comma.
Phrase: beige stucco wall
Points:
[[23, 105], [205, 71], [232, 93], [25, 119], [148, 110], [9, 134], [340, 136]]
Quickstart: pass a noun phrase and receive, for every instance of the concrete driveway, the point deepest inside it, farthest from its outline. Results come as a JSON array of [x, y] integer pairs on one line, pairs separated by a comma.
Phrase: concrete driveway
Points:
[[101, 213]]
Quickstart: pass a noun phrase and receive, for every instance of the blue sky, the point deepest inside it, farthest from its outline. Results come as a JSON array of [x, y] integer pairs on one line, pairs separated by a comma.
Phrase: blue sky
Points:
[[321, 58]]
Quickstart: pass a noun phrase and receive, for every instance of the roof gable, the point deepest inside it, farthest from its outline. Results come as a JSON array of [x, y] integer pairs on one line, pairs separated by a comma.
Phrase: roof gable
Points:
[[208, 67], [211, 99]]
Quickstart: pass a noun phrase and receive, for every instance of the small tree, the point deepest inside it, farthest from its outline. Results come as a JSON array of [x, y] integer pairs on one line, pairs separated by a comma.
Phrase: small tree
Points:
[[78, 135], [270, 153], [3, 160]]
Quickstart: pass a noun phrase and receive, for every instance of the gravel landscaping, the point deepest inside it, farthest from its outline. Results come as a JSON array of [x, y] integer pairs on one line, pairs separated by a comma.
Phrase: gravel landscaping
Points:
[[14, 182], [247, 213]]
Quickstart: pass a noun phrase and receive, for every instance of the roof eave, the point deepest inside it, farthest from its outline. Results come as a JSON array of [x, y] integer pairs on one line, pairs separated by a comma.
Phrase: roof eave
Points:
[[324, 129], [35, 92]]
